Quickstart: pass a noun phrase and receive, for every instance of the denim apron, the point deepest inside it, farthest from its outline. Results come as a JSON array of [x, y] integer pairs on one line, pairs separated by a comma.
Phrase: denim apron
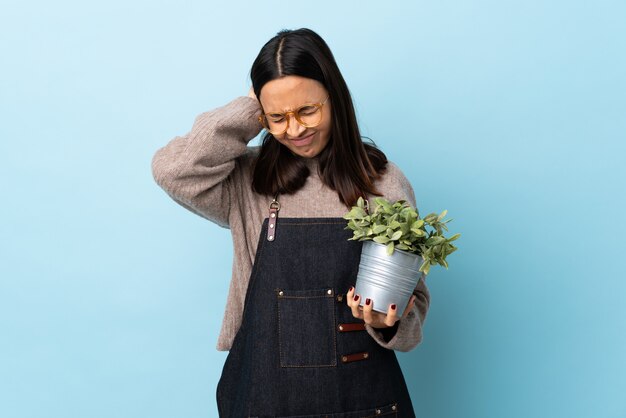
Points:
[[299, 351]]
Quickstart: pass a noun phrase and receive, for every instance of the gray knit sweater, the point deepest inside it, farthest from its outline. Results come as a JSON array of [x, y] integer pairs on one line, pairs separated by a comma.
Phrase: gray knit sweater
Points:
[[207, 172]]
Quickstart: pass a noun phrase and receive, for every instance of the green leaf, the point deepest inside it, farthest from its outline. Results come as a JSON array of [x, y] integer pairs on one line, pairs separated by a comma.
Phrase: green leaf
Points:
[[453, 237], [417, 224], [396, 235], [418, 232], [360, 212], [379, 229], [381, 239], [434, 240], [355, 213], [379, 200], [394, 224], [390, 248]]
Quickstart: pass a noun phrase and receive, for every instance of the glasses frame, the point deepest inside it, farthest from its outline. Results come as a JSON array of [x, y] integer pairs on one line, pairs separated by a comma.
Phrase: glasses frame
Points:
[[319, 107]]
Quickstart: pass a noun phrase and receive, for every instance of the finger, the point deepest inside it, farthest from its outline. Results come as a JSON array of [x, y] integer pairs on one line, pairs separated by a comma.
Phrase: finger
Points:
[[367, 311], [409, 307], [376, 319], [353, 303], [350, 296], [392, 315]]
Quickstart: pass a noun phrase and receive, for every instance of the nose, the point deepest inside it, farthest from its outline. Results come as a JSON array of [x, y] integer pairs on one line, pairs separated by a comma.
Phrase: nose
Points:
[[294, 130]]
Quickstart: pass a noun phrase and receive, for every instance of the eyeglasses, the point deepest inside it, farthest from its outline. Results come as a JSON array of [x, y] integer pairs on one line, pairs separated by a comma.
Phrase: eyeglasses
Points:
[[308, 115]]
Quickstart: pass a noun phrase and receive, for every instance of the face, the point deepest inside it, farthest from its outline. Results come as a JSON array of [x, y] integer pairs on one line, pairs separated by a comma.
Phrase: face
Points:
[[288, 93]]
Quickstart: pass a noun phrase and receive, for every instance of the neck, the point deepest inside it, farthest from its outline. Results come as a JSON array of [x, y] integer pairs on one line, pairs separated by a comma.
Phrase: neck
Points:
[[312, 163]]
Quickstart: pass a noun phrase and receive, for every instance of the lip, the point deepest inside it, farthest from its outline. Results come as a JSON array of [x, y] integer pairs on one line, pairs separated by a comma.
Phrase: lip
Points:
[[303, 141]]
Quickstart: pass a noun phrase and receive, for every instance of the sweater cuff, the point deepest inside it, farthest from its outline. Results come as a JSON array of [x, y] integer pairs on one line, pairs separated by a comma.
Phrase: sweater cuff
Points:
[[403, 336], [388, 333]]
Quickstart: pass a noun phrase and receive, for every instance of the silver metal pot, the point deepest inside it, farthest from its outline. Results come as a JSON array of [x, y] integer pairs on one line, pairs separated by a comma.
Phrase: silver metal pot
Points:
[[387, 279]]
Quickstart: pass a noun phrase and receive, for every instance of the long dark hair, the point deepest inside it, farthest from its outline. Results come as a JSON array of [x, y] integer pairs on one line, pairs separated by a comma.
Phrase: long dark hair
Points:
[[347, 164]]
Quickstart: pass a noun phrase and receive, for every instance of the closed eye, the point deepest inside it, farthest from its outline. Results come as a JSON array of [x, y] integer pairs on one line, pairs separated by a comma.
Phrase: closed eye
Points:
[[307, 110], [275, 117]]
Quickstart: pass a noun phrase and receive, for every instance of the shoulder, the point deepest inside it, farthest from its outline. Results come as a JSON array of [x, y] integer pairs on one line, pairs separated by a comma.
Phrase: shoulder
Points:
[[394, 185]]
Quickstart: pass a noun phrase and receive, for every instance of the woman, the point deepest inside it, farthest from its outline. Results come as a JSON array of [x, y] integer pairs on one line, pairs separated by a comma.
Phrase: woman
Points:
[[301, 342]]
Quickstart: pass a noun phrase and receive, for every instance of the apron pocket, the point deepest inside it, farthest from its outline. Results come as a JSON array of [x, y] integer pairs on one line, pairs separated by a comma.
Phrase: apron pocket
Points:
[[306, 328]]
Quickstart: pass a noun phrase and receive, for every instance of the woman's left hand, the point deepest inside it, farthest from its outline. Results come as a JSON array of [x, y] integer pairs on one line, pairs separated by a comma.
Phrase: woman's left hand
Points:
[[374, 318]]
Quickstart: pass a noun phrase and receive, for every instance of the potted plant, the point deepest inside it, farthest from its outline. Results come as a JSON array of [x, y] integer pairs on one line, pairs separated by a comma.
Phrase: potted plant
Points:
[[398, 248]]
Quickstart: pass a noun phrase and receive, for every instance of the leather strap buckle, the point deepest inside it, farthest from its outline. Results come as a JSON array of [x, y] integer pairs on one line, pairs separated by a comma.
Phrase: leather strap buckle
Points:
[[353, 326], [273, 216], [348, 358]]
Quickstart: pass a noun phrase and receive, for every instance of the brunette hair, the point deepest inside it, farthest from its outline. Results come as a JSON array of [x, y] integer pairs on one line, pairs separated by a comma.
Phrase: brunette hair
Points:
[[347, 164]]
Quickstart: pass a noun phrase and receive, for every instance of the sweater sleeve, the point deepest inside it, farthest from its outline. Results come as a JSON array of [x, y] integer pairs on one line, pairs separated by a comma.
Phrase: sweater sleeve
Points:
[[194, 169], [406, 334]]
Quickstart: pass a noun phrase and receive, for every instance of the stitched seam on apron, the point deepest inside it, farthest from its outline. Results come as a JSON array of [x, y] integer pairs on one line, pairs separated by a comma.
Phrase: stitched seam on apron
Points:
[[361, 411]]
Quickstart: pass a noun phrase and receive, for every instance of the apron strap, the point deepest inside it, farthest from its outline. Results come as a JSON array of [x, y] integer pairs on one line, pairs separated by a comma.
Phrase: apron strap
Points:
[[273, 216]]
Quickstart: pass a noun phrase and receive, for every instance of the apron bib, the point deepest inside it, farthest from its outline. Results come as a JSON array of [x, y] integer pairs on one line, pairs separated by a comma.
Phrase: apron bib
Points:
[[299, 351]]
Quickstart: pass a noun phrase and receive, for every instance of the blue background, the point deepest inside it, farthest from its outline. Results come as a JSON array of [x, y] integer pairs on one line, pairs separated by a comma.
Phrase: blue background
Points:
[[510, 114]]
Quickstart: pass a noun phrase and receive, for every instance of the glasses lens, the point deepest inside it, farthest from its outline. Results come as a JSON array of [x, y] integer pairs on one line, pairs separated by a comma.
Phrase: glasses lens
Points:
[[275, 123], [309, 116]]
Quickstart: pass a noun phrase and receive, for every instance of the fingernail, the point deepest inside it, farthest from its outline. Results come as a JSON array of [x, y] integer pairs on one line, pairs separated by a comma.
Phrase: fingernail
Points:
[[351, 289], [367, 301], [393, 306], [356, 297]]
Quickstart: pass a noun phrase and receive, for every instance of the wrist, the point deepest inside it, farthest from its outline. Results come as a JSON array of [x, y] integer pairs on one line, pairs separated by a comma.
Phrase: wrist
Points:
[[388, 332]]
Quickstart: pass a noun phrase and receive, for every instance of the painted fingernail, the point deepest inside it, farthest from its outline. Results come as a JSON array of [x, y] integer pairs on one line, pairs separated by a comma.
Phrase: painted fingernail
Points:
[[393, 306], [356, 297], [351, 289], [367, 301]]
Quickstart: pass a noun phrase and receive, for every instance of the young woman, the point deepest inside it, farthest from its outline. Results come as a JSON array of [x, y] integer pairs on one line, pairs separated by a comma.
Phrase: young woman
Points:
[[300, 342]]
